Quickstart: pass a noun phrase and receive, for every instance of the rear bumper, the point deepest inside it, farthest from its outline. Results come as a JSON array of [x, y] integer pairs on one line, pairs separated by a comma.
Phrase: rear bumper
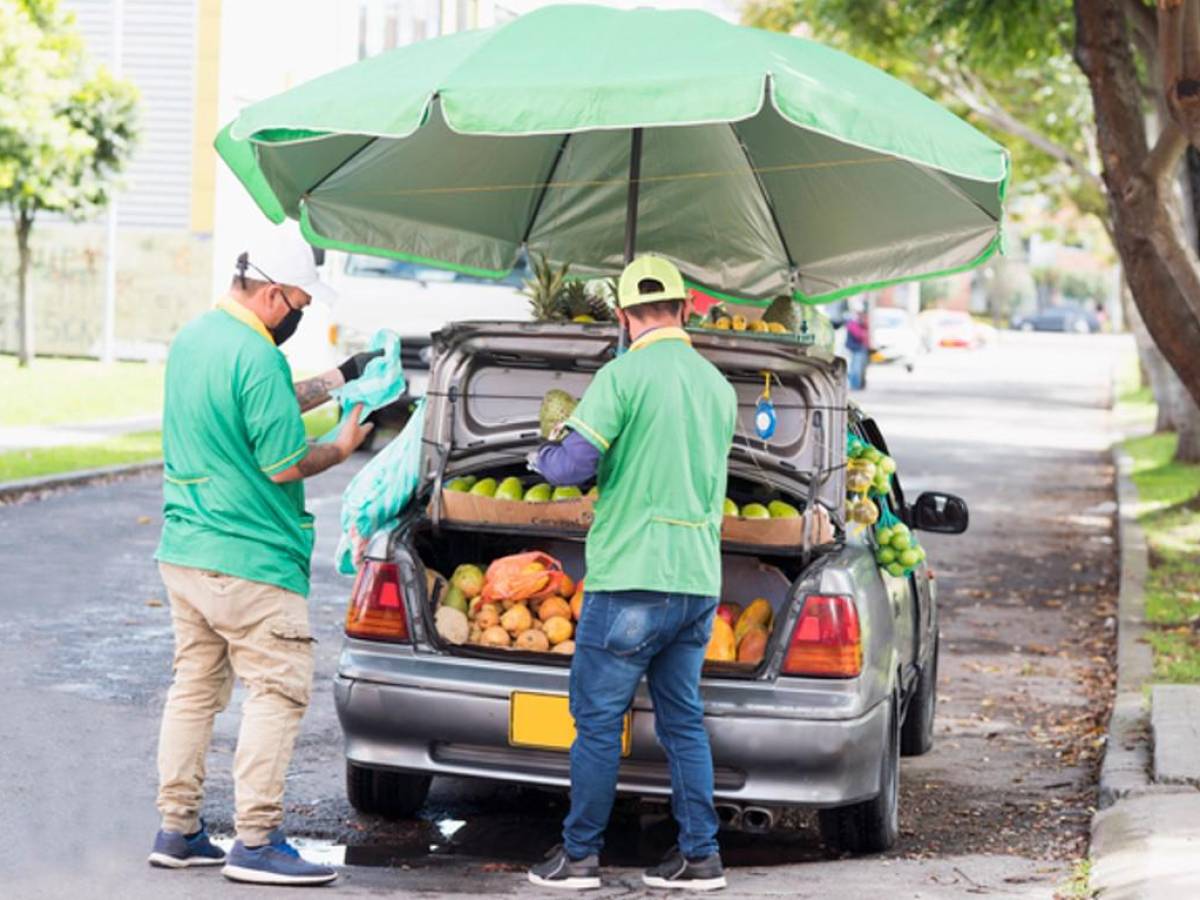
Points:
[[758, 758]]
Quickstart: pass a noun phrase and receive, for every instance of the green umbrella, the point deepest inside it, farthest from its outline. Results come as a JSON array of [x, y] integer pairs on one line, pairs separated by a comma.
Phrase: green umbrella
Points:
[[759, 163]]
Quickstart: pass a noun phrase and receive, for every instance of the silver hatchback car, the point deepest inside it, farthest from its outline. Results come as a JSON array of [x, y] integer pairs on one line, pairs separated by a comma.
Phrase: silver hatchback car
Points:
[[848, 680]]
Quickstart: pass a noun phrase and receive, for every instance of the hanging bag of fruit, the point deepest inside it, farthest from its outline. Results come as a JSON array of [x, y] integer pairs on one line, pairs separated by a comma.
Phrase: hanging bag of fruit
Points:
[[522, 576]]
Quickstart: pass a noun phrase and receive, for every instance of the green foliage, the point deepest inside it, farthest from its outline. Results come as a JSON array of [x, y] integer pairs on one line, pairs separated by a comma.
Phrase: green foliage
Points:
[[127, 448], [72, 392], [1004, 65], [1169, 513], [65, 132]]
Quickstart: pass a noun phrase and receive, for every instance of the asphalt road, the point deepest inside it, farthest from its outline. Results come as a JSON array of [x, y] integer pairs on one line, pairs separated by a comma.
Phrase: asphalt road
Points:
[[999, 808]]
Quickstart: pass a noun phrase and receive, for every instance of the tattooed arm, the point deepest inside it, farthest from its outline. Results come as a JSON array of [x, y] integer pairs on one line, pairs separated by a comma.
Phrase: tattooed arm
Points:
[[324, 456], [312, 392]]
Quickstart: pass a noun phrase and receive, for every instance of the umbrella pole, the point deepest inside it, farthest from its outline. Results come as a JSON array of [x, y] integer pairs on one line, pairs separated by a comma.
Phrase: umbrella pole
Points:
[[631, 205]]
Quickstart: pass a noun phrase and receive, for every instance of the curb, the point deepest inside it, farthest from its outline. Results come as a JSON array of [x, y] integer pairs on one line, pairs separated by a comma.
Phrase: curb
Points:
[[12, 491], [1126, 766]]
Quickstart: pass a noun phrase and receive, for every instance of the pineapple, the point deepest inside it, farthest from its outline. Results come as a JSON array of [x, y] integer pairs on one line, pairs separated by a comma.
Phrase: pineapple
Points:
[[584, 306], [545, 290]]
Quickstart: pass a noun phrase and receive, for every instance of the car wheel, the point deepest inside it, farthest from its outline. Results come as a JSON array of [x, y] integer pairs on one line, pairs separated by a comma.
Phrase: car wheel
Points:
[[393, 795], [871, 826], [916, 734]]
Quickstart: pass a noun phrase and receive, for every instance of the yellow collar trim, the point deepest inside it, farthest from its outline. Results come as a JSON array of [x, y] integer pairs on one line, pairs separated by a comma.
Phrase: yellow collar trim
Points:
[[245, 316], [661, 334]]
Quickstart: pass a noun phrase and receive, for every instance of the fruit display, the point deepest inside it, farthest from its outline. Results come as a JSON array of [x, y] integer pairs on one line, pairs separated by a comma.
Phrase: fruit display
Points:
[[774, 509], [520, 602], [512, 488], [869, 474], [741, 635]]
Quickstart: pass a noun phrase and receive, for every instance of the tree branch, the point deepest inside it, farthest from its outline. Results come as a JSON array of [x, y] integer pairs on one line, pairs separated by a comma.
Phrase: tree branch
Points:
[[976, 98], [1179, 55], [1145, 29], [1160, 165]]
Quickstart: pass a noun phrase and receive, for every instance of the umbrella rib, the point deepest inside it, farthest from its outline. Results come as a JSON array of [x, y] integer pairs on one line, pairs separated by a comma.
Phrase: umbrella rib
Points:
[[762, 189], [537, 206], [331, 172]]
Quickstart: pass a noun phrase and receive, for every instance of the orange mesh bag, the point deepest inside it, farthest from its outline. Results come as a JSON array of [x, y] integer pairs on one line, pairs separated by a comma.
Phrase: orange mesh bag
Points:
[[522, 576]]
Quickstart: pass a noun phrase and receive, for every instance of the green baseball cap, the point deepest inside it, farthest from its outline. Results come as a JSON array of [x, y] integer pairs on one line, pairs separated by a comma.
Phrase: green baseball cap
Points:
[[649, 268]]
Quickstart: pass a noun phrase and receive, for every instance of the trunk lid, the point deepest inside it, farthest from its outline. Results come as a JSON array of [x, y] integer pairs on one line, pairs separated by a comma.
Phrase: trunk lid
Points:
[[488, 380]]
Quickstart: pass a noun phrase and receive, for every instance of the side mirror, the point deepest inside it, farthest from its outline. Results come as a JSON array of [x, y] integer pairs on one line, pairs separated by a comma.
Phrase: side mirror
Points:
[[941, 513]]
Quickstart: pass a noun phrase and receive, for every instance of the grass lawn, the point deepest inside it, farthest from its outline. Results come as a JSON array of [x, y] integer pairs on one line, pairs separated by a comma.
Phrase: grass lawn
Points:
[[67, 391], [1169, 511], [128, 448]]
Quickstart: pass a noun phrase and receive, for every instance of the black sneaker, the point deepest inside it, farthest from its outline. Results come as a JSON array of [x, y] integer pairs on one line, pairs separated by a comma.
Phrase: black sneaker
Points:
[[677, 873], [560, 871]]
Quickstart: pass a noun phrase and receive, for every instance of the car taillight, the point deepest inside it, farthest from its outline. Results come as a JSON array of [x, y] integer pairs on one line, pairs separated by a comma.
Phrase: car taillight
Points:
[[377, 604], [826, 642]]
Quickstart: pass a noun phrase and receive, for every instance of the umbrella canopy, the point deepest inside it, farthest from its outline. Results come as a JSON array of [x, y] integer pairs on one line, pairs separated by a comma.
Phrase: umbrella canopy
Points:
[[759, 163]]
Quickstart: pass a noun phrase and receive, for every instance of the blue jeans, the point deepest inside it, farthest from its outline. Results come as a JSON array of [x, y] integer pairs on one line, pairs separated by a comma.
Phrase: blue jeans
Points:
[[857, 374], [621, 637]]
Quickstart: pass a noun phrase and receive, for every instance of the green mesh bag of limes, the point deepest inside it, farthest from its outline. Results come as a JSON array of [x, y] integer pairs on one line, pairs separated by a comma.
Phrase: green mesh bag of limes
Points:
[[868, 486]]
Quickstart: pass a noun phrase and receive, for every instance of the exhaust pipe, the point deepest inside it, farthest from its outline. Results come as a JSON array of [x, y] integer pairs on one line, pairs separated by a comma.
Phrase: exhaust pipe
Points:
[[757, 819], [729, 815]]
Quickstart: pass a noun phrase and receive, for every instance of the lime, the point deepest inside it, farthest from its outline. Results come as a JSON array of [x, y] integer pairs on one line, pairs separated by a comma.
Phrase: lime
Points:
[[884, 536], [900, 541], [885, 556], [909, 558], [895, 569]]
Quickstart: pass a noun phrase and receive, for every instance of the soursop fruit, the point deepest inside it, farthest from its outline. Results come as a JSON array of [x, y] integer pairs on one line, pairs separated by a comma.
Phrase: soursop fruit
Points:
[[557, 407], [783, 310]]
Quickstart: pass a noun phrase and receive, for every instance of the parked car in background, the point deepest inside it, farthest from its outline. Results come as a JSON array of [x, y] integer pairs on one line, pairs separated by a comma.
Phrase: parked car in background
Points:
[[414, 301], [894, 337], [952, 328], [1059, 318]]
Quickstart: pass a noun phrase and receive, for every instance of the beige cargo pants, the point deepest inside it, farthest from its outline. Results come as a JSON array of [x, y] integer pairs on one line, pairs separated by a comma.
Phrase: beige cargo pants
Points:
[[227, 627]]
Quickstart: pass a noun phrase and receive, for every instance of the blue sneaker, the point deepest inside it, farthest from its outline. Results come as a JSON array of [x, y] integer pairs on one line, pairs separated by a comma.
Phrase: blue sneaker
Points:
[[173, 850], [276, 862]]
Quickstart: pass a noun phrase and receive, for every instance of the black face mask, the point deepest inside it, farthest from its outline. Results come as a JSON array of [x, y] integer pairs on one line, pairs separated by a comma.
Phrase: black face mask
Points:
[[287, 327]]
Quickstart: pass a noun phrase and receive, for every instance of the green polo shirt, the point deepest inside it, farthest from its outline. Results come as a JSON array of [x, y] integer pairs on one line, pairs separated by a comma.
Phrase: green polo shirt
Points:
[[230, 421], [662, 417]]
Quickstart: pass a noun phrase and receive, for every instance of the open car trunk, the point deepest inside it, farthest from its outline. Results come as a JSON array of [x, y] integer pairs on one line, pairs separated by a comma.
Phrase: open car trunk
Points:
[[487, 385]]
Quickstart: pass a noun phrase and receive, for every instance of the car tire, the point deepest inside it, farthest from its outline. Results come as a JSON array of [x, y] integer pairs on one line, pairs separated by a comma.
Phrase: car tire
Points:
[[916, 734], [381, 792], [871, 826]]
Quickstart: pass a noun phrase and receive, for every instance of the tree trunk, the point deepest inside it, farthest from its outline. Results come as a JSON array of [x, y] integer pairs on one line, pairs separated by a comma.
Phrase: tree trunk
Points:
[[25, 351], [1154, 369], [1185, 419], [1139, 195]]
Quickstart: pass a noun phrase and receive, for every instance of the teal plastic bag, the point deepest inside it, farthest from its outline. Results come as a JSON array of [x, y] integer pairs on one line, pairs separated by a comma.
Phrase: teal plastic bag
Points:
[[374, 500], [381, 383]]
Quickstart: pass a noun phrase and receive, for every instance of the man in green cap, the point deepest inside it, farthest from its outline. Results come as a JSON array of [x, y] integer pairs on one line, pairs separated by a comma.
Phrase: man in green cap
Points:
[[655, 428], [234, 556]]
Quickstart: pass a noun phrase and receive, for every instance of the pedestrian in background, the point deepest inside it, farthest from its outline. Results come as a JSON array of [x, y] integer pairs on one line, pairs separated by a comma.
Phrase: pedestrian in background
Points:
[[234, 556], [858, 345], [655, 428]]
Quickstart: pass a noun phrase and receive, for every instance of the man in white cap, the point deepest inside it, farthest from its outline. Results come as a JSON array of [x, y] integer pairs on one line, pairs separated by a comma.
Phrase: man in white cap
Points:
[[234, 556]]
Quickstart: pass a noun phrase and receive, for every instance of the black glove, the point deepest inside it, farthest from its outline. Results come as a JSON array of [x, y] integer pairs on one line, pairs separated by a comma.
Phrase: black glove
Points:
[[353, 367]]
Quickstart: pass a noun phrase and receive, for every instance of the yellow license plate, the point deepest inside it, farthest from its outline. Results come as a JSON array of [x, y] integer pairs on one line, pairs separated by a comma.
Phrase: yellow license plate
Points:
[[544, 721]]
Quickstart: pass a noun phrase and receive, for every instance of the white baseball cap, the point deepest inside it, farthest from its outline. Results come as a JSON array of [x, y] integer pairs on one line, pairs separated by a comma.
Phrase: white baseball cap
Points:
[[283, 256]]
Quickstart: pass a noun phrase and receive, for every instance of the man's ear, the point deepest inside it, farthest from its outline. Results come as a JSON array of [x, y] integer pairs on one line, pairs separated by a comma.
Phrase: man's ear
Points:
[[622, 318]]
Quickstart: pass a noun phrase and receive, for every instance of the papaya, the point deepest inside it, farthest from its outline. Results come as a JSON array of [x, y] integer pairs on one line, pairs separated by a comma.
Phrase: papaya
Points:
[[757, 613], [577, 601], [554, 606], [533, 640], [753, 645], [558, 629], [517, 619], [721, 646]]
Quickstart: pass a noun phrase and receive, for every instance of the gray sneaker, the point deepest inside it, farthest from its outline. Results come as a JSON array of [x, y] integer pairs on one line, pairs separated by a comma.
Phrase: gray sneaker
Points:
[[560, 871], [276, 862], [679, 873]]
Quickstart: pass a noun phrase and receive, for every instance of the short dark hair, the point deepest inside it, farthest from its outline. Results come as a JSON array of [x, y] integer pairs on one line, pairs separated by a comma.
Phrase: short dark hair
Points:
[[656, 309], [247, 285]]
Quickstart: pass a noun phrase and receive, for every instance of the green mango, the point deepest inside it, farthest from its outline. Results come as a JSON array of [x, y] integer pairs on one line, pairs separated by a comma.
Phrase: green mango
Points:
[[755, 511], [731, 508], [566, 493], [485, 488], [780, 510], [539, 493], [510, 489], [458, 485]]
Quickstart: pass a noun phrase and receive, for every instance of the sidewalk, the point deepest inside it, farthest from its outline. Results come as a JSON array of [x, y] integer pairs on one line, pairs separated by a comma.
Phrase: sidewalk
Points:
[[30, 437], [1146, 836]]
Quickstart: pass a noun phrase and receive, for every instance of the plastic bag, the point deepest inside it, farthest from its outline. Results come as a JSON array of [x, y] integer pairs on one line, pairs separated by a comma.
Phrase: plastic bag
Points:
[[381, 383], [522, 576], [373, 501]]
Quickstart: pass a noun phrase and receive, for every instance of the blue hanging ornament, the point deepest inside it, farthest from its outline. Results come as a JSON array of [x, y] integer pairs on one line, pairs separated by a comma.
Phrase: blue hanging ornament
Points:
[[764, 412]]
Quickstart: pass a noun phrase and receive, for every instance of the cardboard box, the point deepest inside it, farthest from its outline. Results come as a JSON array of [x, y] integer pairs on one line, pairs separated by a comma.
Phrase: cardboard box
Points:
[[578, 515], [462, 507], [778, 532]]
